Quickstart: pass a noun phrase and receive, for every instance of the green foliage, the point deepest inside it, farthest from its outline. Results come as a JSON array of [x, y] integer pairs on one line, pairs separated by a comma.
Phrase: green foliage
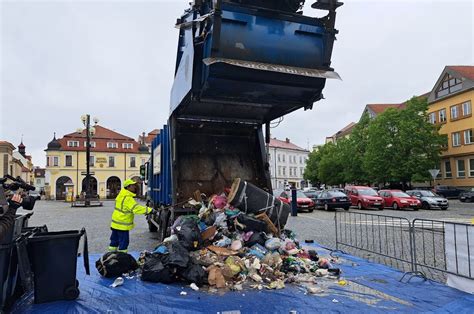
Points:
[[398, 146]]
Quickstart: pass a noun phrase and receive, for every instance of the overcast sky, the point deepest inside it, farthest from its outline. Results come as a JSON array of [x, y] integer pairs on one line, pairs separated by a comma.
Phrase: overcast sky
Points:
[[115, 60]]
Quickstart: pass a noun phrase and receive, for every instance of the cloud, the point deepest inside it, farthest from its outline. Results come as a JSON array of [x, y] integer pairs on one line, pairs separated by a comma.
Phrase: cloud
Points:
[[116, 60]]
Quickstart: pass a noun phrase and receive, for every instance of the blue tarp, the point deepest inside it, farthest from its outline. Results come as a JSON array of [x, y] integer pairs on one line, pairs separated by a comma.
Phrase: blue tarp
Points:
[[371, 288]]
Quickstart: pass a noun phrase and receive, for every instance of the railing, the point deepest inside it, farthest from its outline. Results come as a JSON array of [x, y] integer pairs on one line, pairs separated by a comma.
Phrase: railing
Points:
[[429, 248]]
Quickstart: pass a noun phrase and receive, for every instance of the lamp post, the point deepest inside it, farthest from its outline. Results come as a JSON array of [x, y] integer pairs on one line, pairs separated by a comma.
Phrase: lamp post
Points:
[[90, 131]]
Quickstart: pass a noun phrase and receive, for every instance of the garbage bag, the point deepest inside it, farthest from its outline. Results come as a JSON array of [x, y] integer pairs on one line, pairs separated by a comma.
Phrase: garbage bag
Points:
[[177, 255], [256, 238], [250, 224], [155, 271], [194, 273], [189, 234], [114, 264]]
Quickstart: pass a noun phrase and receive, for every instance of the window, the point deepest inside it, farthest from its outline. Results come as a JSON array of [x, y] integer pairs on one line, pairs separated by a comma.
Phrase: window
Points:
[[283, 157], [38, 181], [291, 171], [301, 171], [456, 139], [111, 161], [127, 145], [471, 167], [68, 162], [442, 115], [55, 161], [133, 162], [143, 161], [469, 137], [92, 144], [279, 159], [284, 170], [92, 161], [112, 145], [466, 108], [279, 170], [432, 117], [461, 168], [447, 169], [448, 86], [47, 160], [73, 143], [301, 159], [454, 112]]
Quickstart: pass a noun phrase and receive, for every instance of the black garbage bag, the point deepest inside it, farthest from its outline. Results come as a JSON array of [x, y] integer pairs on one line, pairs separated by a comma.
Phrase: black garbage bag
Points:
[[251, 224], [177, 255], [155, 271], [189, 235], [194, 273], [256, 238], [114, 264]]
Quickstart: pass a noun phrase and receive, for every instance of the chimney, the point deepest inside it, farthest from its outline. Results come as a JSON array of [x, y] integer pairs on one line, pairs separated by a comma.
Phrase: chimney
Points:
[[288, 140]]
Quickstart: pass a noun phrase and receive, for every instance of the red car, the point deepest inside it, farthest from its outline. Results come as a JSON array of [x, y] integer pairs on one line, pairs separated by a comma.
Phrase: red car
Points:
[[398, 199], [364, 197], [304, 202]]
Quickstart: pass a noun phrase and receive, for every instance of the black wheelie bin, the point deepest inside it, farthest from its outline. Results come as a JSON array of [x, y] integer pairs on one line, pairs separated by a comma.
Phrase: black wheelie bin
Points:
[[53, 257]]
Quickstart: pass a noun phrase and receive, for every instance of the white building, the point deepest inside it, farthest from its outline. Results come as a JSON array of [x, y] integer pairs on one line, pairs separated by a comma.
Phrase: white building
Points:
[[287, 163]]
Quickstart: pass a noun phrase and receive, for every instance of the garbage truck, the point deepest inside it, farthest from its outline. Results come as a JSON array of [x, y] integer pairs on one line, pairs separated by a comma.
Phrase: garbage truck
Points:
[[240, 65]]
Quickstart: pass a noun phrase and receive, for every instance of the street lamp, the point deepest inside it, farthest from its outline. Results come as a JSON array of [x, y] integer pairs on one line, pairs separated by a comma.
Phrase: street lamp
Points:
[[90, 131]]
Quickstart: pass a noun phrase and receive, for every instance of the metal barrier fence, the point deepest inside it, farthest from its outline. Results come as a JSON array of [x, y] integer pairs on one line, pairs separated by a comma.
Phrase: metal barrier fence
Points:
[[418, 247]]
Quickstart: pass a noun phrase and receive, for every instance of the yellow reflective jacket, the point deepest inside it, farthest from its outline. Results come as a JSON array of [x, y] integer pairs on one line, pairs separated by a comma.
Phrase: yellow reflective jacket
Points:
[[125, 210]]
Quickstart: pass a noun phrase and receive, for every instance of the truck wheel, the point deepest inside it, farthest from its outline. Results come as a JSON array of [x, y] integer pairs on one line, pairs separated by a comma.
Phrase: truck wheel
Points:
[[164, 221], [152, 227]]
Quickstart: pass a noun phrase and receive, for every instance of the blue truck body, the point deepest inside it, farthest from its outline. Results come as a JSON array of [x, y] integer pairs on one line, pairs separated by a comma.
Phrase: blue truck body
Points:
[[240, 65]]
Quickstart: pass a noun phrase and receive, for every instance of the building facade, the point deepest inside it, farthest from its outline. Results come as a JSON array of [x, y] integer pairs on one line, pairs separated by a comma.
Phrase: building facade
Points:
[[114, 158], [287, 163], [39, 179], [343, 133], [450, 106], [16, 163]]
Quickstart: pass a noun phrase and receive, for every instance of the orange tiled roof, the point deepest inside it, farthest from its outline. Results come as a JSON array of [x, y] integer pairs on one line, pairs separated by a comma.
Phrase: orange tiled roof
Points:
[[284, 144], [466, 71], [101, 138]]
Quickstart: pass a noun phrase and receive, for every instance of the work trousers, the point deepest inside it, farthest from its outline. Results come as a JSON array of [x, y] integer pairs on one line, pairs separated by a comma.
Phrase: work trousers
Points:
[[119, 240]]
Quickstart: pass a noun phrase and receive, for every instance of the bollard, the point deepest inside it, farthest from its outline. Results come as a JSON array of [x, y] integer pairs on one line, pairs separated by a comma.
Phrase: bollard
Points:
[[294, 203]]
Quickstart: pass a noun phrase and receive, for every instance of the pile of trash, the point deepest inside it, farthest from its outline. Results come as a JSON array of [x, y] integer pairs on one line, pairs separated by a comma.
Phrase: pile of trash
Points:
[[234, 248]]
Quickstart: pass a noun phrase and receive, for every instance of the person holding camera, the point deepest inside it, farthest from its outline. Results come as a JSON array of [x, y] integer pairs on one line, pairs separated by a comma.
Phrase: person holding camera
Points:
[[7, 219]]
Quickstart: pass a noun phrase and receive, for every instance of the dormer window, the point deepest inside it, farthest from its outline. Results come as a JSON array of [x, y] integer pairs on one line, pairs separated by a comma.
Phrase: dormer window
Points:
[[127, 145], [448, 86], [92, 144], [73, 143], [112, 145]]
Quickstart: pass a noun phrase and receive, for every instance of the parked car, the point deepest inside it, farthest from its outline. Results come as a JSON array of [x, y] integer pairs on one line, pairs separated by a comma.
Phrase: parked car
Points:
[[447, 191], [332, 199], [312, 194], [364, 197], [467, 196], [429, 200], [303, 202], [398, 199]]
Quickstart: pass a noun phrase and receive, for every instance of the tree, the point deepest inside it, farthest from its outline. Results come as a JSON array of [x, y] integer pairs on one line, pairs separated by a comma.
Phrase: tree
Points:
[[403, 145], [353, 151]]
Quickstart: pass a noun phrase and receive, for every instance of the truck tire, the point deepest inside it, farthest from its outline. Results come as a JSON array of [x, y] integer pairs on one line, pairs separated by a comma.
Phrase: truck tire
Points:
[[164, 223], [152, 227]]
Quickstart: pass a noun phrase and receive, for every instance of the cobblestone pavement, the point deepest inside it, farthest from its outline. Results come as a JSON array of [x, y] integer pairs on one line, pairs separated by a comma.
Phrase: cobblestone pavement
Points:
[[318, 226]]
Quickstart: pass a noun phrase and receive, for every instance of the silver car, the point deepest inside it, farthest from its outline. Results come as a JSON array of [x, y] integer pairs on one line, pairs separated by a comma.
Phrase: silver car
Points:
[[430, 200]]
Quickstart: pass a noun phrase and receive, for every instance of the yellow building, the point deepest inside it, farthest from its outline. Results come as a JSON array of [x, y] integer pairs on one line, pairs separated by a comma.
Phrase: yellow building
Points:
[[450, 104], [114, 158], [16, 163]]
